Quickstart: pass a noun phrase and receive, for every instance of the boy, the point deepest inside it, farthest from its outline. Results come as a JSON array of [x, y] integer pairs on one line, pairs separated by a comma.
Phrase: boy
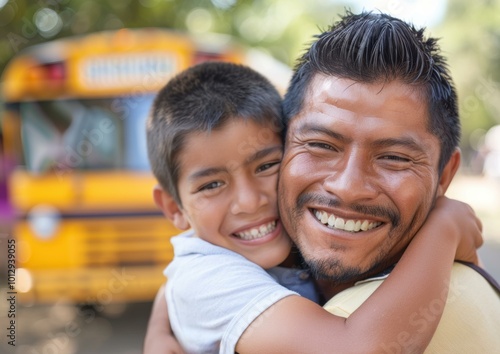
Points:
[[214, 142]]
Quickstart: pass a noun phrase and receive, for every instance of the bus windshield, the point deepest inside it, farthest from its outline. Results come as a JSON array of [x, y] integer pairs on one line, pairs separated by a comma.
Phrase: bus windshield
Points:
[[85, 134]]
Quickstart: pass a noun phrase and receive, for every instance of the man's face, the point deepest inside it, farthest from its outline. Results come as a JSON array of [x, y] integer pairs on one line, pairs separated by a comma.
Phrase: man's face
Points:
[[358, 177]]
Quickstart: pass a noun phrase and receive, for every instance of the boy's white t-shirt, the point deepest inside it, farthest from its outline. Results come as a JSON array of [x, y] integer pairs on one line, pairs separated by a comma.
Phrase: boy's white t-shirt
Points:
[[213, 294]]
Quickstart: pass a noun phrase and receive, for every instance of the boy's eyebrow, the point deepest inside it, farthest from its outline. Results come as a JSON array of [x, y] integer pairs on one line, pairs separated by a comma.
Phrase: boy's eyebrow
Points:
[[263, 153], [206, 172]]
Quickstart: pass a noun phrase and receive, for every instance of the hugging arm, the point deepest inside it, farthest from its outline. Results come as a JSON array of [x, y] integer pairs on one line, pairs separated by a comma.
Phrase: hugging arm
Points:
[[295, 325], [159, 337]]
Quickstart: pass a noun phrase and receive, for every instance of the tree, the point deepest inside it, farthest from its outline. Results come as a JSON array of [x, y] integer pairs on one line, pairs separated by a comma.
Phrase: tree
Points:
[[471, 40]]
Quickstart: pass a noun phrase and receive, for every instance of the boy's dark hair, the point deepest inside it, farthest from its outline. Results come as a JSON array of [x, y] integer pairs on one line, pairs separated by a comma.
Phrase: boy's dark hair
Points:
[[374, 47], [200, 99]]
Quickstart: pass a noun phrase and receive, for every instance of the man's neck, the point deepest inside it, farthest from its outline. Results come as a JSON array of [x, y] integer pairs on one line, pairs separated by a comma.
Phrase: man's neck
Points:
[[327, 289]]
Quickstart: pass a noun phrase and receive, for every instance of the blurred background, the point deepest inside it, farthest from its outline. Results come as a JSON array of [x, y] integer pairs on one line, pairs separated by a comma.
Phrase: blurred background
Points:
[[78, 77]]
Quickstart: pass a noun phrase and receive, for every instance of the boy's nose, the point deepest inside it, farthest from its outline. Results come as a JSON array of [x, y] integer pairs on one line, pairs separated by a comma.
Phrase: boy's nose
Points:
[[248, 198]]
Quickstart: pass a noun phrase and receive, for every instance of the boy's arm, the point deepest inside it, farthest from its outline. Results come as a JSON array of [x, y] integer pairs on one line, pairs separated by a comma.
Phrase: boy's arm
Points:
[[420, 278], [159, 337]]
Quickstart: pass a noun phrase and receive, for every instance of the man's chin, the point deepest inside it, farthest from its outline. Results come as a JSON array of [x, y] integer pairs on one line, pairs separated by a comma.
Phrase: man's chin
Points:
[[337, 272], [333, 271]]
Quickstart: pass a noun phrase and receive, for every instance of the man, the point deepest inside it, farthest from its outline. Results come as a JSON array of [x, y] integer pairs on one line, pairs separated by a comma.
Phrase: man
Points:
[[373, 132]]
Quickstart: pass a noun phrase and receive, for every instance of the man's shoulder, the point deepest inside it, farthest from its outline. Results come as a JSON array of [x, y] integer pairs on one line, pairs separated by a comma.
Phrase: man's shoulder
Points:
[[471, 316], [474, 274], [470, 320], [467, 288], [346, 302], [471, 289]]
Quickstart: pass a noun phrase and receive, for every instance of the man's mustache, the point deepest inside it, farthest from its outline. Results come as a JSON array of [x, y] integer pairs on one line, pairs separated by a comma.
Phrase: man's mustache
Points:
[[375, 211]]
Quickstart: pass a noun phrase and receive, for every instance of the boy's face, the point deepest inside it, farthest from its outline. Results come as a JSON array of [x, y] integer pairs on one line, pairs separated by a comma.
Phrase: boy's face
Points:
[[228, 189]]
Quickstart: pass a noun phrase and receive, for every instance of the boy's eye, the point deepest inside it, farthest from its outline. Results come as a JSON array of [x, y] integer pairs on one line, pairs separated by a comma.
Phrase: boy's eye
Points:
[[267, 166], [211, 185]]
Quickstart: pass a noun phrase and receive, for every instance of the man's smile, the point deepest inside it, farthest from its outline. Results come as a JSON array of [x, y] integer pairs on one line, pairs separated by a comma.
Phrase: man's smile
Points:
[[334, 222]]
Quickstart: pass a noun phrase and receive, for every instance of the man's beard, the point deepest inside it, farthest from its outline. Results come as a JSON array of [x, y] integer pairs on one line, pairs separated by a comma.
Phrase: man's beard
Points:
[[337, 273], [332, 268]]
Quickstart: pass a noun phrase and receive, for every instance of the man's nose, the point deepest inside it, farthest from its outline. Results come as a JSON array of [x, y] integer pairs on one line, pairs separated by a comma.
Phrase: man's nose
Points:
[[248, 197], [352, 180]]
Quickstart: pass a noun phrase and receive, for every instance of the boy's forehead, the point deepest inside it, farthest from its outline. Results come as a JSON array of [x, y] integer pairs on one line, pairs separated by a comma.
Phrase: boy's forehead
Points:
[[236, 142], [260, 133]]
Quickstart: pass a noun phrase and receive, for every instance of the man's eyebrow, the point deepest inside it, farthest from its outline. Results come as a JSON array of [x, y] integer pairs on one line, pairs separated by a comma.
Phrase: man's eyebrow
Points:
[[315, 128], [263, 153], [406, 142]]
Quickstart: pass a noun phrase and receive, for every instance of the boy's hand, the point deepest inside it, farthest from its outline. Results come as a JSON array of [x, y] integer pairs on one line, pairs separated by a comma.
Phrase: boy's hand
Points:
[[162, 343], [461, 223]]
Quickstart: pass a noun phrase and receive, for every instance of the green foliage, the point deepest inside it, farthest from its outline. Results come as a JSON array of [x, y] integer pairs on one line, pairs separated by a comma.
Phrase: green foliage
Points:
[[279, 26], [470, 34]]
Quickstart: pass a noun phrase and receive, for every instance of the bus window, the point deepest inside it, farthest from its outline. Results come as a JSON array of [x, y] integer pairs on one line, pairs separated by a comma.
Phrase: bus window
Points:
[[70, 134], [86, 134], [135, 112]]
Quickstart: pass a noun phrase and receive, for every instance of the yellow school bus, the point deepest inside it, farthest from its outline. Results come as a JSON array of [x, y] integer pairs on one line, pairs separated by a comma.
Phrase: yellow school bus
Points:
[[86, 228]]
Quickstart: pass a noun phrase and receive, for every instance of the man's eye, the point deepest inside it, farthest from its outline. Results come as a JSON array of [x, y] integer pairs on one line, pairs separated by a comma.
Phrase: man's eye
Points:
[[395, 158], [319, 145], [210, 186]]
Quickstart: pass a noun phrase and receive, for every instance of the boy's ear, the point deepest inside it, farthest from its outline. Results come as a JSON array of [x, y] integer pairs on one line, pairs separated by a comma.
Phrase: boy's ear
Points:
[[449, 172], [170, 208]]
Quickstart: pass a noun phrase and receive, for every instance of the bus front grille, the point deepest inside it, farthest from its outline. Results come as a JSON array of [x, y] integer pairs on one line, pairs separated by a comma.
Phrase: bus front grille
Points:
[[127, 242]]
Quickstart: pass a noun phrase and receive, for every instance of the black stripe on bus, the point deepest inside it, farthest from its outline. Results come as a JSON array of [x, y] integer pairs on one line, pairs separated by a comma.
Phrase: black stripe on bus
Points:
[[102, 215]]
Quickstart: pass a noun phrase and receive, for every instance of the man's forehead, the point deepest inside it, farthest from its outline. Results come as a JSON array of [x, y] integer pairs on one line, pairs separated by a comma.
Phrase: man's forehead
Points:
[[322, 84], [392, 105], [333, 89]]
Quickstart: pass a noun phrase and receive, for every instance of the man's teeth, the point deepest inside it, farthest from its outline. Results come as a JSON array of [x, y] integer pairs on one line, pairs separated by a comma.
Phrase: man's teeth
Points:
[[347, 225], [257, 232]]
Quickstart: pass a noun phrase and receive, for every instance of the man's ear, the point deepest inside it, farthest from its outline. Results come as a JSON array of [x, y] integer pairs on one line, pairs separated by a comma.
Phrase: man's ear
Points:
[[449, 172], [170, 208]]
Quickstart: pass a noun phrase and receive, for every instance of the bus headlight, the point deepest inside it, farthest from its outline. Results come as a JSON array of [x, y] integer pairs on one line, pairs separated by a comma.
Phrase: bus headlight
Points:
[[44, 220], [24, 280]]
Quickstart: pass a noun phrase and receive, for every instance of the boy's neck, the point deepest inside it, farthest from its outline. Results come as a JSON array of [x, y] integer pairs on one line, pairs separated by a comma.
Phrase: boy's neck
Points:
[[293, 260]]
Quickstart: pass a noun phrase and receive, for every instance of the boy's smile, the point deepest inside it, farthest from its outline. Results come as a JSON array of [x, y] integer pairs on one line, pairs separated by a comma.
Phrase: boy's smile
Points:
[[256, 232], [227, 186]]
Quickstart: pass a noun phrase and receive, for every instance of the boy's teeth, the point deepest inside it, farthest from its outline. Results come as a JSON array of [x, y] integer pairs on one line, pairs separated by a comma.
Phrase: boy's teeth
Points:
[[257, 232], [347, 225]]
